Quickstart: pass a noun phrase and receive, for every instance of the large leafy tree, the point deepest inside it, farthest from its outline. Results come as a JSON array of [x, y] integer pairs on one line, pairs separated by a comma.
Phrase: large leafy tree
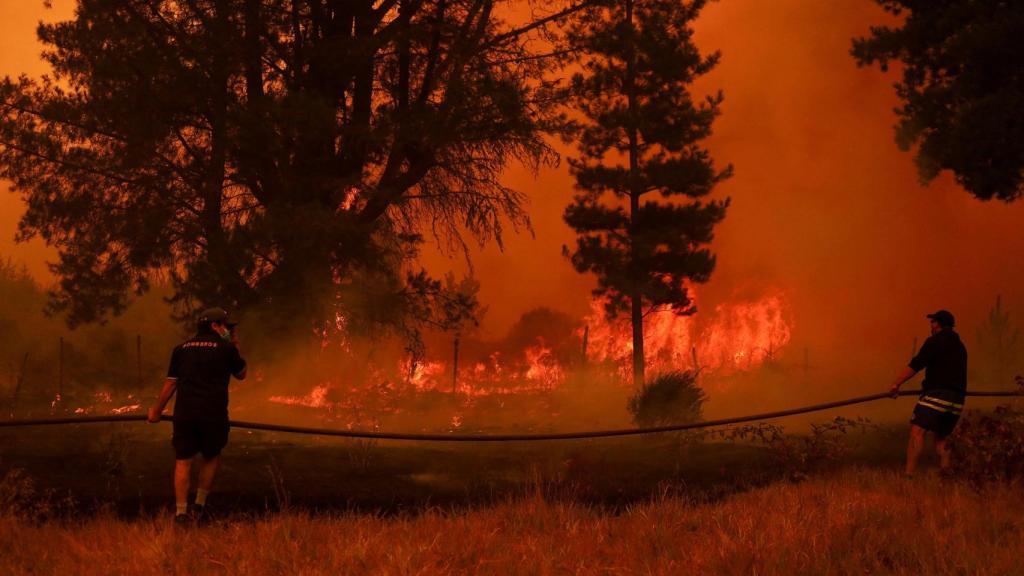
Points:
[[643, 226], [962, 88], [273, 156]]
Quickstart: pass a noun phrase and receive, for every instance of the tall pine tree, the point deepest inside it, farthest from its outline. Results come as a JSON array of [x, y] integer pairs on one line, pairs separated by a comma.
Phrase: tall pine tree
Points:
[[643, 228]]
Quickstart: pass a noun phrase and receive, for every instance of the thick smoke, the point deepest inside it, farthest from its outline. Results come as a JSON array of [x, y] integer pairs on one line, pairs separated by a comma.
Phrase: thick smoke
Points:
[[825, 206], [825, 209]]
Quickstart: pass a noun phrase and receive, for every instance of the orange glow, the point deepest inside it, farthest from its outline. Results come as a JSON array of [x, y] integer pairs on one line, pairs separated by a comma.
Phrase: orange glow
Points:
[[425, 375], [537, 370], [101, 404], [744, 334], [737, 336], [542, 366], [825, 206], [317, 398]]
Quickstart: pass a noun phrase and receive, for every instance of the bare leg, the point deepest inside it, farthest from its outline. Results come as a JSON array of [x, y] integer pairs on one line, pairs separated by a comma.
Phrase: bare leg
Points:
[[207, 470], [914, 447], [943, 450], [182, 470]]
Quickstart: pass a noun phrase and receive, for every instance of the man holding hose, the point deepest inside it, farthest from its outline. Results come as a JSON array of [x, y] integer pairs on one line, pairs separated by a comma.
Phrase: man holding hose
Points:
[[943, 357], [200, 371]]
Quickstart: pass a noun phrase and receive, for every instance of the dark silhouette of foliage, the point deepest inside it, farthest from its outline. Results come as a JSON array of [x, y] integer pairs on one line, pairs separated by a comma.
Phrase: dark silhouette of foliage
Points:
[[962, 89], [556, 329], [989, 447], [799, 455], [640, 137], [999, 347], [670, 398], [273, 156]]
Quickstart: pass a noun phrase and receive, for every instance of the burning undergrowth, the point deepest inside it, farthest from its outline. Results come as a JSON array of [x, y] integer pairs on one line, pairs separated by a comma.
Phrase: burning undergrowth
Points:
[[551, 371]]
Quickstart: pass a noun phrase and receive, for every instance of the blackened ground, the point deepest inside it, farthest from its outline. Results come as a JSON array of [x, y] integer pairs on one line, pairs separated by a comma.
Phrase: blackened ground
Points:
[[128, 467]]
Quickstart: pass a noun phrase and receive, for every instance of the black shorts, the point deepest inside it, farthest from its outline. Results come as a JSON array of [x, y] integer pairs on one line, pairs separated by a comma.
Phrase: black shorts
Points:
[[193, 437], [936, 414]]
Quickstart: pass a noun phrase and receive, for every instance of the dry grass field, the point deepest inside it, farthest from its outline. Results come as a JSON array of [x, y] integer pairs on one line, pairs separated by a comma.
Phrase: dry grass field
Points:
[[856, 521]]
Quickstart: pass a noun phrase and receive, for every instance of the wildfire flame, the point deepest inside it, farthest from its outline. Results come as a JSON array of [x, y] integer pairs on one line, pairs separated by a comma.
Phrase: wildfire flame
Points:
[[736, 336], [101, 403], [542, 366], [317, 398]]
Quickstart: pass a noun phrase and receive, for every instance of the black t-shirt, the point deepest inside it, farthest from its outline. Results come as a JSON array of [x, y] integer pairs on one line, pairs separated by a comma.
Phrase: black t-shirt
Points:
[[203, 367], [944, 360]]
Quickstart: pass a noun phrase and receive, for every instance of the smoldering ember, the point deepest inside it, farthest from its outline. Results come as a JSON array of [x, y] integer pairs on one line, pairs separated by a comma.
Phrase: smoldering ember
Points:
[[519, 287]]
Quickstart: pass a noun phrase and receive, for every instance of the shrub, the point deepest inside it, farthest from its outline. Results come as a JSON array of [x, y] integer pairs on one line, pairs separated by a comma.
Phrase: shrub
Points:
[[799, 455], [670, 398], [20, 498], [989, 447]]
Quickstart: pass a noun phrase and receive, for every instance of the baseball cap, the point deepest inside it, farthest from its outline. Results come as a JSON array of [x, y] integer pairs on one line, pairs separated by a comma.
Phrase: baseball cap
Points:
[[216, 315], [944, 318]]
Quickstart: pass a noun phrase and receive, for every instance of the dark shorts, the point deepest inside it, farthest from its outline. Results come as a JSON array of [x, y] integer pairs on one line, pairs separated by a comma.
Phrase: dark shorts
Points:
[[193, 437], [937, 413]]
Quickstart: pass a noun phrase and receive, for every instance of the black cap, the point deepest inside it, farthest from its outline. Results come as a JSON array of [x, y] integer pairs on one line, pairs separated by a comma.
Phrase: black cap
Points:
[[216, 315], [944, 318]]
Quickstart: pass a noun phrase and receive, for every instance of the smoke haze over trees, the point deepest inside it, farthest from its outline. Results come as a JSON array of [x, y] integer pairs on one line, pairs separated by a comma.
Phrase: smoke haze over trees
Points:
[[39, 356], [998, 357], [272, 154], [824, 205]]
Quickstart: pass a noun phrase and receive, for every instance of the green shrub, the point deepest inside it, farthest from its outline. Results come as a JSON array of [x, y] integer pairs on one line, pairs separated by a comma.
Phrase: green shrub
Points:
[[667, 399]]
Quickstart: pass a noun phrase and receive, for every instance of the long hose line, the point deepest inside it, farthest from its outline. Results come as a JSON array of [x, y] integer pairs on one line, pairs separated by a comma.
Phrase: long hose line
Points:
[[455, 437]]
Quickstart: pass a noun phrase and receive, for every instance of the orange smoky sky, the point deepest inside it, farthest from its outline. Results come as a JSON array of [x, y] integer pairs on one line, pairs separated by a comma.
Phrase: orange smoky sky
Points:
[[824, 205], [19, 54]]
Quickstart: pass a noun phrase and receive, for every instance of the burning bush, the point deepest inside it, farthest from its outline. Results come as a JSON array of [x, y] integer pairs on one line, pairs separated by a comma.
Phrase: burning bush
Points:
[[669, 398]]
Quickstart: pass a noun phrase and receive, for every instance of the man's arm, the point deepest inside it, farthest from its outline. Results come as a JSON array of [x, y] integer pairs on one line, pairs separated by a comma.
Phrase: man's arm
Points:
[[907, 374], [919, 362], [170, 386]]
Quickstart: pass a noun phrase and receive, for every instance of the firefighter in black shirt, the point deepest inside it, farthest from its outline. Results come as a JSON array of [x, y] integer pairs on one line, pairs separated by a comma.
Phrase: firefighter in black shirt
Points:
[[943, 357], [200, 371]]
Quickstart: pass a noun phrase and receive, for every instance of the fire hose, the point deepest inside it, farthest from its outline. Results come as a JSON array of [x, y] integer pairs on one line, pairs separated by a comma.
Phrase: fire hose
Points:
[[454, 437]]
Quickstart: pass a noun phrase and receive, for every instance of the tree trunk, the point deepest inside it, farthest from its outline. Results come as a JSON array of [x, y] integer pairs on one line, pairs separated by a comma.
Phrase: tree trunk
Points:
[[213, 187], [637, 311], [586, 342], [455, 366], [637, 314]]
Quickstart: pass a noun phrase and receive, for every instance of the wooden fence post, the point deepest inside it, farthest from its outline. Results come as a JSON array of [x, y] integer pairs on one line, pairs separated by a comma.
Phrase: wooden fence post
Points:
[[17, 384], [60, 370], [455, 366], [138, 359], [586, 342]]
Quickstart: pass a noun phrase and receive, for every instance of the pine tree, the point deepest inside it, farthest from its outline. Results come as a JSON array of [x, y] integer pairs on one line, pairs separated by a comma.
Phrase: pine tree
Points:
[[640, 137], [999, 345]]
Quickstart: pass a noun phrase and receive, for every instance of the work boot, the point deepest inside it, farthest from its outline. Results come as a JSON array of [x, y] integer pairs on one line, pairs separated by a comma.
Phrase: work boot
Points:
[[182, 520], [199, 514]]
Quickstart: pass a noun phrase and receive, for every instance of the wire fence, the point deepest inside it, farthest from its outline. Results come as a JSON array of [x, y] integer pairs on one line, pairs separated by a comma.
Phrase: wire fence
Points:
[[456, 437]]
